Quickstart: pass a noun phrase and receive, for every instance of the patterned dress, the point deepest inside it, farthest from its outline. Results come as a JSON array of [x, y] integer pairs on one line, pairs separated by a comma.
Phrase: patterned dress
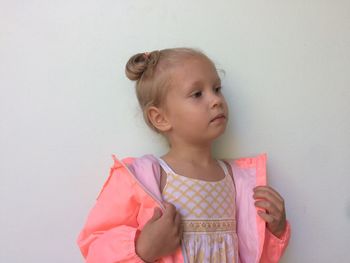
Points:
[[208, 216]]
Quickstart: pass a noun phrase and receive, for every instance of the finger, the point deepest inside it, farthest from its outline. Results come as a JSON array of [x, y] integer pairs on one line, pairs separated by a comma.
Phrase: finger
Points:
[[157, 213], [177, 219], [170, 210], [266, 196], [178, 225], [266, 217], [269, 207], [181, 230], [269, 196], [270, 190]]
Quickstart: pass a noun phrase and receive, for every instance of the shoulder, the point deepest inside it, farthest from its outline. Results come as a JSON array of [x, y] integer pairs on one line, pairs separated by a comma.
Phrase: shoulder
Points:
[[146, 164], [128, 170], [145, 170], [247, 162], [246, 169], [229, 167]]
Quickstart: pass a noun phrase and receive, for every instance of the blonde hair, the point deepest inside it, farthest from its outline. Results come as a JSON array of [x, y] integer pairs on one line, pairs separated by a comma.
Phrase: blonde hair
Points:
[[151, 71]]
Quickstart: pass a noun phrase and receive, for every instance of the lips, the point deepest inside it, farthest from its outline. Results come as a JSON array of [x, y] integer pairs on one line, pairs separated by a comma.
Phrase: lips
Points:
[[218, 117]]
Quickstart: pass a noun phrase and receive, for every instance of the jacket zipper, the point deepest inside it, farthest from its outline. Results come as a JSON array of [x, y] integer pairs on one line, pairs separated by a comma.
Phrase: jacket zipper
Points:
[[144, 188]]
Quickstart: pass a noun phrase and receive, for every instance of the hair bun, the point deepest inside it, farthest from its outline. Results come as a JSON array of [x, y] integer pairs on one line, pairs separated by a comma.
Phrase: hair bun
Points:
[[139, 63]]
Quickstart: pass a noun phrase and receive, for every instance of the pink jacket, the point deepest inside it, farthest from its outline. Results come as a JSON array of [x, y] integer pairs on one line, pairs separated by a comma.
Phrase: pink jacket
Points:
[[132, 191]]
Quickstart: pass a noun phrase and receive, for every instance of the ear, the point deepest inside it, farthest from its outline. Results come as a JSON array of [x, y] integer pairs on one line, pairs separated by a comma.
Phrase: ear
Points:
[[158, 119]]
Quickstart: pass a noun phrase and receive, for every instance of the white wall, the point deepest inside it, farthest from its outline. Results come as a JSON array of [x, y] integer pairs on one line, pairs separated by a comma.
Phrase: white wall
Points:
[[66, 106]]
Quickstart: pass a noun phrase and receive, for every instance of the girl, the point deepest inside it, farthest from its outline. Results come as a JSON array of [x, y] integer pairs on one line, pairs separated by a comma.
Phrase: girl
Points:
[[185, 206]]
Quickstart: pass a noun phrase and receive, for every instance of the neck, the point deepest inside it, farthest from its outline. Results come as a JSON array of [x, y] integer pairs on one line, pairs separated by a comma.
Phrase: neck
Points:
[[194, 154]]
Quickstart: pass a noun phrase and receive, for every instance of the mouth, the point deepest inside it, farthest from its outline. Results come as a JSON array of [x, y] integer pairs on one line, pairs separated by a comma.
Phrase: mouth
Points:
[[218, 117]]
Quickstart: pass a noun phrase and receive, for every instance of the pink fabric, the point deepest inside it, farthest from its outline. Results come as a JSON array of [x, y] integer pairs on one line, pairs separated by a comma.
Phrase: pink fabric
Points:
[[147, 171], [130, 194], [260, 164], [274, 247], [248, 173]]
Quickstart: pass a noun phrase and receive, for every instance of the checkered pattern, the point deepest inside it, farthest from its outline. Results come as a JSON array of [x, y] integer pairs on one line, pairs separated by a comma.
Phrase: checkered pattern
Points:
[[198, 199]]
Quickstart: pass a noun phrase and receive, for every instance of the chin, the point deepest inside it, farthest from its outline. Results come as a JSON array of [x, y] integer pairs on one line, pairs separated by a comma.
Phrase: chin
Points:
[[219, 133]]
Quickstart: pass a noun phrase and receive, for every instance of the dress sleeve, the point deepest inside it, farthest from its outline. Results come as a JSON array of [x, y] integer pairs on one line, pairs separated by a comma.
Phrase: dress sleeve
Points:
[[111, 227], [274, 247]]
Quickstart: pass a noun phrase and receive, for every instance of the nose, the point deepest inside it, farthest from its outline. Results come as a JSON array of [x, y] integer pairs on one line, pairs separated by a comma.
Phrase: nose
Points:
[[216, 100]]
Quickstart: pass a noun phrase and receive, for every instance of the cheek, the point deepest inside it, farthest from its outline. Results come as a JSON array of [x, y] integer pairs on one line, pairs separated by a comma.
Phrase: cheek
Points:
[[225, 105]]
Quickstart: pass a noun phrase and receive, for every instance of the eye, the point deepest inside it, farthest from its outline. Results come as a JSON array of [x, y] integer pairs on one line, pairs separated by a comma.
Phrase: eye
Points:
[[218, 89], [197, 94]]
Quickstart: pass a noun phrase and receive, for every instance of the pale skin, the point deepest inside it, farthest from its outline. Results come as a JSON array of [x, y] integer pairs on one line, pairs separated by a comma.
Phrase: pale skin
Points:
[[161, 235], [188, 120]]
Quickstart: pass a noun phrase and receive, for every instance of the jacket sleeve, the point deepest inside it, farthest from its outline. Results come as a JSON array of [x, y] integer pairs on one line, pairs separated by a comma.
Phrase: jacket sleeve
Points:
[[110, 229], [274, 247]]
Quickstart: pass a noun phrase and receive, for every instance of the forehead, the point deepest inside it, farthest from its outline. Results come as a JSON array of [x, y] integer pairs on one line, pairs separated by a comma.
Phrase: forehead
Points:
[[192, 70]]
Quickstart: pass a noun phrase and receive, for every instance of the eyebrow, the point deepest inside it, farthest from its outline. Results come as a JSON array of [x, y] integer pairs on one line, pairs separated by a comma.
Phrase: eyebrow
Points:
[[198, 82]]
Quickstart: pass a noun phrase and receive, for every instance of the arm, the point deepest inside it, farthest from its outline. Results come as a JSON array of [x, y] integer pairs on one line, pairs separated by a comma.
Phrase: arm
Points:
[[274, 247], [111, 227], [277, 232]]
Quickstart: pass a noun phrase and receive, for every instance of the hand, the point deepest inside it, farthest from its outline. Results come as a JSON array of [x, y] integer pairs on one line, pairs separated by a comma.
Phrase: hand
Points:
[[273, 203], [161, 235]]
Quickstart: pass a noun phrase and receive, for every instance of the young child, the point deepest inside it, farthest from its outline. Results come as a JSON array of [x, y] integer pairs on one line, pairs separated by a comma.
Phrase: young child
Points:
[[185, 206]]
